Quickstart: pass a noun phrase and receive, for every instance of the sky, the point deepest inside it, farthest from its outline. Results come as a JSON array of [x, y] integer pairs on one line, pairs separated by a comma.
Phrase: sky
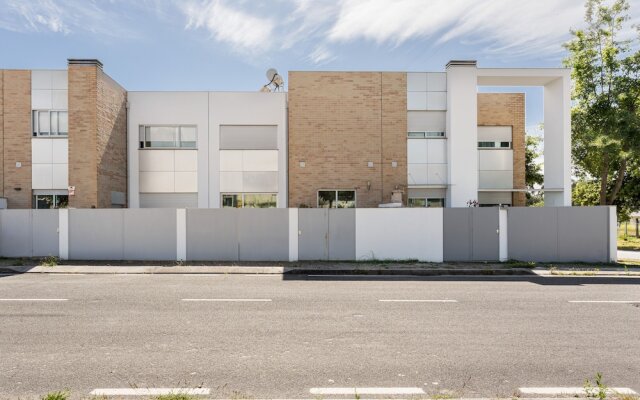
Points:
[[228, 45]]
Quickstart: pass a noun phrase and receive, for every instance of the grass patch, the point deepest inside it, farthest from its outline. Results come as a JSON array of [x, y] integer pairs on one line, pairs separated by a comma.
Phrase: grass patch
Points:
[[175, 396], [521, 264], [628, 243], [49, 261], [60, 395]]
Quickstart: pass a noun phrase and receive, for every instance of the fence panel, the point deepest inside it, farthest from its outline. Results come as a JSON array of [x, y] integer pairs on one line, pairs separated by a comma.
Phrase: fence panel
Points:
[[15, 233], [96, 234], [263, 234], [342, 234], [582, 234], [458, 234], [212, 234], [45, 232], [150, 234], [313, 226], [486, 238]]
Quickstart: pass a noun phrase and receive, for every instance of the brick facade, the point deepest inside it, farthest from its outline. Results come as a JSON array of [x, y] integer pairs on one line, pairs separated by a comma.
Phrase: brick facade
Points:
[[97, 137], [508, 109], [338, 123], [15, 115]]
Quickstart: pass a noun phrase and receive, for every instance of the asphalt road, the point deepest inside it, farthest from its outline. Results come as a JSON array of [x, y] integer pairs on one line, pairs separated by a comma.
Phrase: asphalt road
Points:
[[491, 337]]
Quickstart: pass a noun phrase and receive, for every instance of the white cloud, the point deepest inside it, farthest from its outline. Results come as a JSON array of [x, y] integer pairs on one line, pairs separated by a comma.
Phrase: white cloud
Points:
[[321, 55], [241, 30]]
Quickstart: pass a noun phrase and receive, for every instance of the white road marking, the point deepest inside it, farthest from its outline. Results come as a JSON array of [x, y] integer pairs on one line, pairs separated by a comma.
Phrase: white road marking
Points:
[[570, 390], [606, 301], [229, 300], [150, 391], [34, 299], [269, 275], [417, 301], [366, 390]]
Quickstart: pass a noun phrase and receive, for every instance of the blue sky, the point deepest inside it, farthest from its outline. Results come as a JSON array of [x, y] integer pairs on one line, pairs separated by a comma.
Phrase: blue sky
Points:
[[228, 45]]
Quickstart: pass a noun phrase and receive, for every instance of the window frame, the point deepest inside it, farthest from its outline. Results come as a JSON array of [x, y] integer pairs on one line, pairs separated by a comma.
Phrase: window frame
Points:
[[35, 123], [355, 198], [242, 196], [177, 137], [426, 201], [54, 201], [426, 135], [497, 145]]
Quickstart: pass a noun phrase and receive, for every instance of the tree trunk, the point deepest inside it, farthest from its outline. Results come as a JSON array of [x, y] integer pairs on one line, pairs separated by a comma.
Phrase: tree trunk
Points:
[[604, 177], [616, 188]]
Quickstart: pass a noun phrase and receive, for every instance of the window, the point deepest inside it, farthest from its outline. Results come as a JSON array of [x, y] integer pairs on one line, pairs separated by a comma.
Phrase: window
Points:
[[50, 123], [168, 137], [44, 201], [249, 200], [423, 135], [493, 145], [426, 202], [337, 199]]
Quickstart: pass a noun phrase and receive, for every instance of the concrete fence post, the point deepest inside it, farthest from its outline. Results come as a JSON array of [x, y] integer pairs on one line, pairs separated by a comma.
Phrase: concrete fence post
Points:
[[293, 234], [63, 233], [181, 234], [613, 234], [503, 235]]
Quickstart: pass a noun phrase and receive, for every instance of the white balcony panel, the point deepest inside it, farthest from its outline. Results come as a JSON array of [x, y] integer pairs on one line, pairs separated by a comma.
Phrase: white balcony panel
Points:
[[434, 121], [437, 193], [41, 99], [417, 174], [494, 198], [260, 160], [186, 160], [230, 182], [59, 100], [436, 151], [42, 176], [416, 100], [260, 182], [60, 151], [157, 182], [436, 100], [437, 81], [156, 160], [186, 182], [59, 80], [437, 174], [495, 160], [416, 82], [60, 178], [495, 179], [417, 151], [41, 151], [230, 160], [41, 79], [494, 134]]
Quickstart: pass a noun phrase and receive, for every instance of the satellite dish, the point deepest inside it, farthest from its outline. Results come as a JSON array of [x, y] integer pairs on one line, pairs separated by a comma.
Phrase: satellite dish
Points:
[[271, 74]]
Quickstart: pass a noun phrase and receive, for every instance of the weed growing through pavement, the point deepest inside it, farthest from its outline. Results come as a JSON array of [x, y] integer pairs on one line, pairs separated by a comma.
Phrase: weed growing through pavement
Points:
[[49, 261], [597, 391], [60, 395], [175, 396], [443, 396]]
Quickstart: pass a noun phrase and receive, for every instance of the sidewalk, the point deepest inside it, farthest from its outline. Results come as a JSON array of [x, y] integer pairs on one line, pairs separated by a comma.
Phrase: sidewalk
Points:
[[327, 268]]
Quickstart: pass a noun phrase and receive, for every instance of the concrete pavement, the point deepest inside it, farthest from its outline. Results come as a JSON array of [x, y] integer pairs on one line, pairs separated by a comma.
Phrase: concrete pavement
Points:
[[280, 336], [628, 255]]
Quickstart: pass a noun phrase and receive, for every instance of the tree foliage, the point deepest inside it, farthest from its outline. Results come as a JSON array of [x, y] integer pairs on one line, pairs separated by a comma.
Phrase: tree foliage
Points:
[[606, 95], [534, 177]]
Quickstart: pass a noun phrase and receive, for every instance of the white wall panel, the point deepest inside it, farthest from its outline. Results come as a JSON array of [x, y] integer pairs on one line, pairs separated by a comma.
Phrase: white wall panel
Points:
[[416, 100], [418, 174], [156, 160], [437, 81], [41, 99], [60, 151], [186, 160], [41, 79], [417, 151], [495, 179], [494, 197], [230, 182], [260, 182], [230, 160], [186, 182], [59, 79], [436, 151], [399, 234], [42, 176], [494, 134], [60, 179], [42, 151], [435, 121], [436, 100], [495, 159], [260, 160], [437, 174], [59, 99], [157, 182], [416, 82]]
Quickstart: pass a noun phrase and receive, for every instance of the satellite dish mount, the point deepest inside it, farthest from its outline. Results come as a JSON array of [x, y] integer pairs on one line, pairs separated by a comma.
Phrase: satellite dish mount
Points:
[[276, 83]]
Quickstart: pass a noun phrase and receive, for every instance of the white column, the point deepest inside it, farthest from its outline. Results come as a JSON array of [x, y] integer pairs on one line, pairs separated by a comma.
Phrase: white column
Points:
[[503, 243], [557, 141], [63, 233], [613, 234], [293, 234], [462, 133], [181, 234]]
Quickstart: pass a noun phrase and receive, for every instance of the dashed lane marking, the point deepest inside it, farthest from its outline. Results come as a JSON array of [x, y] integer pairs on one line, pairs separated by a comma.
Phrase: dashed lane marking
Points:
[[150, 391], [366, 390]]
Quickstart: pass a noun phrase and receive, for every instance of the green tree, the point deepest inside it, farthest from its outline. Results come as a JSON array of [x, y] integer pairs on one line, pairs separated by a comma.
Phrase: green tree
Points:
[[534, 177], [606, 94]]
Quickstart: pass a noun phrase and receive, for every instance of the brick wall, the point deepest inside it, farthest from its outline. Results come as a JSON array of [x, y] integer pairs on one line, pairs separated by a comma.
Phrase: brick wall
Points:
[[111, 139], [16, 137], [340, 121], [508, 109]]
